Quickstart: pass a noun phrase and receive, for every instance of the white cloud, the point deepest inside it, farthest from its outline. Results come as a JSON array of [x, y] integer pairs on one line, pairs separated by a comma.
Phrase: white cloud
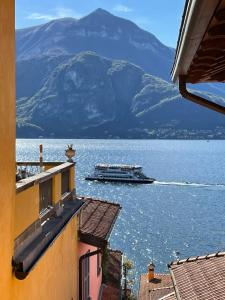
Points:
[[60, 12], [122, 8], [38, 16]]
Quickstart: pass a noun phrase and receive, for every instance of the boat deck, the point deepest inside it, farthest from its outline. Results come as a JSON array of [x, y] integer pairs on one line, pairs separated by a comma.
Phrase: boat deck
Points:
[[121, 180]]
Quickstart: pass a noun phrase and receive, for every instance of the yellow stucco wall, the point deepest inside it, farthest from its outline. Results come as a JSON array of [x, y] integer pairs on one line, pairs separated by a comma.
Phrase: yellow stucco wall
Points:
[[26, 209], [7, 143], [55, 276]]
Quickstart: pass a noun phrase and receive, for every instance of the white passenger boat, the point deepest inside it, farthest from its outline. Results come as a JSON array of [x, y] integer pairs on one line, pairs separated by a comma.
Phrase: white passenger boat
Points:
[[119, 173]]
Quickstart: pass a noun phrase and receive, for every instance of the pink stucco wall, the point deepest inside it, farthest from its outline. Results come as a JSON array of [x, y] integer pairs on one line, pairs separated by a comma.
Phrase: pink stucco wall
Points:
[[95, 279]]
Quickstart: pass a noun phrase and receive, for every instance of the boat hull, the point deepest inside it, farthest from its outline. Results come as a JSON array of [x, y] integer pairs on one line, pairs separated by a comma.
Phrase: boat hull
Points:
[[121, 180]]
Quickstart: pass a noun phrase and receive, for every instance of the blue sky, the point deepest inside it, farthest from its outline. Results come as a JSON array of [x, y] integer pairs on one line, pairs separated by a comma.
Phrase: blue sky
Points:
[[160, 17]]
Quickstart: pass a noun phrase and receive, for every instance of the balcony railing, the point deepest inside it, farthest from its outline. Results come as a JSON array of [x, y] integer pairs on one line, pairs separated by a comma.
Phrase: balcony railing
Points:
[[26, 169], [43, 191], [40, 199]]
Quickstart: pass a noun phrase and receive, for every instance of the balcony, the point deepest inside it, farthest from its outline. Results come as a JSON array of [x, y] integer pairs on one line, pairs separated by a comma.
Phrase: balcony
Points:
[[45, 203], [26, 169]]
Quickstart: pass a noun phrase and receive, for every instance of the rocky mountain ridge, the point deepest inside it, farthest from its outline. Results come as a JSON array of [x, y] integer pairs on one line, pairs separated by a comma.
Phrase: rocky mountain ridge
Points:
[[102, 77], [88, 96], [100, 32]]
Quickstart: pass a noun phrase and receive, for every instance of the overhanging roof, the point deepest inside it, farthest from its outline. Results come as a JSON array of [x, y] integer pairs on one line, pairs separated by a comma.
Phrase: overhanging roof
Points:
[[97, 220], [200, 53]]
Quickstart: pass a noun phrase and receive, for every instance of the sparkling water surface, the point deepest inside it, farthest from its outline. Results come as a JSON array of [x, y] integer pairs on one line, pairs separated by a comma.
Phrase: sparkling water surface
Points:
[[183, 211]]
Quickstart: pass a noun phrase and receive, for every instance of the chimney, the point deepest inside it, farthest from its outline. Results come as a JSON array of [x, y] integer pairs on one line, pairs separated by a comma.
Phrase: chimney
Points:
[[151, 269]]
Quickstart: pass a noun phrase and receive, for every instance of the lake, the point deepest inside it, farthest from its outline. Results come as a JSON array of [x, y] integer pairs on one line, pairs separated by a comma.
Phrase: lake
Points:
[[183, 211]]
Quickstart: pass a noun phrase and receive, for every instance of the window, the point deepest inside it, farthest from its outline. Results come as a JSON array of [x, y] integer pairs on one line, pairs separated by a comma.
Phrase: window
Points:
[[86, 278]]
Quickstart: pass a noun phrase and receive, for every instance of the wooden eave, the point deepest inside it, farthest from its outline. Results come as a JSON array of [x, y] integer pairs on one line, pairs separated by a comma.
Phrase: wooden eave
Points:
[[200, 54], [92, 240]]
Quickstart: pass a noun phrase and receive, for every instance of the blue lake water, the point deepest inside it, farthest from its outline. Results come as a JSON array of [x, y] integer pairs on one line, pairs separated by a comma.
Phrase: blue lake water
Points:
[[183, 211]]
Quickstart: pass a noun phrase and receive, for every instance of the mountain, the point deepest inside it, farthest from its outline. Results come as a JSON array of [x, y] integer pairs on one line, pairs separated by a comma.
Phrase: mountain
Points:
[[103, 77], [90, 96], [100, 32]]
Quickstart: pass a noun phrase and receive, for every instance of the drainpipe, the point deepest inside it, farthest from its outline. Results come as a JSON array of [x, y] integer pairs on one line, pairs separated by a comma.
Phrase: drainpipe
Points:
[[197, 99], [89, 254]]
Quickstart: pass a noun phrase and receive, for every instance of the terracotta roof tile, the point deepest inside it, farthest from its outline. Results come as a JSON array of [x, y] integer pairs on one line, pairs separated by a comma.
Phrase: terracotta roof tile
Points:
[[170, 296], [97, 220], [200, 278], [156, 289]]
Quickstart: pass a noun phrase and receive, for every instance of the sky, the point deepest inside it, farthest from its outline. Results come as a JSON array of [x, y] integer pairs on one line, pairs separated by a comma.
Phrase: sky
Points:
[[160, 17]]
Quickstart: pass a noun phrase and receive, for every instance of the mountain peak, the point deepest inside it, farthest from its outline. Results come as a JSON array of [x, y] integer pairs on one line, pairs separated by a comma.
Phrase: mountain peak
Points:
[[98, 13], [102, 32], [101, 11]]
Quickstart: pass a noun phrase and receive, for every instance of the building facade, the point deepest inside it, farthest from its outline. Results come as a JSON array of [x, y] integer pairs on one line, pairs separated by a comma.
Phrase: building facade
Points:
[[39, 214], [96, 222]]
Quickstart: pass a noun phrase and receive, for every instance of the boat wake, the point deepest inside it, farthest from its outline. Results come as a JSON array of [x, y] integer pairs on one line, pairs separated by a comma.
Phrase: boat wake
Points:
[[189, 184]]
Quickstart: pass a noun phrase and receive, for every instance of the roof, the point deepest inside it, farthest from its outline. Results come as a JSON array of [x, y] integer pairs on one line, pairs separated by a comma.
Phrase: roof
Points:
[[97, 220], [200, 278], [158, 288], [170, 296], [199, 54]]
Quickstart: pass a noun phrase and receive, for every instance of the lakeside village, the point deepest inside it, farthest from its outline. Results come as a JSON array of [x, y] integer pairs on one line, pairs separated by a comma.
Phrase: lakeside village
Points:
[[55, 243]]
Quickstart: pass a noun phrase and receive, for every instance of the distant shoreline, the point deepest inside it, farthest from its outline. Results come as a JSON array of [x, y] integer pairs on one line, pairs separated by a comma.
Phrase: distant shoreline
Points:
[[117, 139]]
